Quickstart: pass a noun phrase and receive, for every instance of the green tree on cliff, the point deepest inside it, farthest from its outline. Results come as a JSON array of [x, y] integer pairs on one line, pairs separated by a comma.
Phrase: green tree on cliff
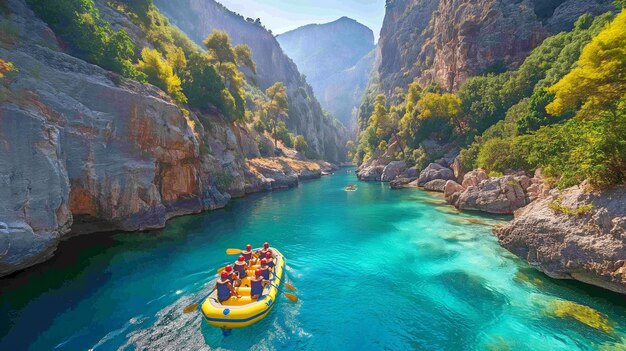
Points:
[[227, 60], [277, 107], [161, 73]]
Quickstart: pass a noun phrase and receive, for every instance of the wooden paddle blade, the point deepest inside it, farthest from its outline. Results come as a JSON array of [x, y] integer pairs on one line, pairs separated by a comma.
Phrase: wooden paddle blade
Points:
[[290, 287], [291, 297], [190, 308], [220, 270], [233, 251]]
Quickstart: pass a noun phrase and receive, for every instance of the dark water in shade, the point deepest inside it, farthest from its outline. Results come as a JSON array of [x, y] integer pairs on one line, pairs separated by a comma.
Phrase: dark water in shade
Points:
[[376, 269]]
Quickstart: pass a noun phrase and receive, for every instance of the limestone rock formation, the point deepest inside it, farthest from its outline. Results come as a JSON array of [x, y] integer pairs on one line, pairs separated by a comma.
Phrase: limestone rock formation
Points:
[[372, 170], [436, 185], [475, 177], [85, 150], [281, 173], [574, 234], [435, 171], [501, 195], [392, 170], [449, 41]]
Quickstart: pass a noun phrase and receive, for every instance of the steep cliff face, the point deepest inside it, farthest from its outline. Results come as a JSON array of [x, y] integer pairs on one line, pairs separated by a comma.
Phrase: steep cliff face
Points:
[[83, 149], [345, 47], [449, 41], [198, 18]]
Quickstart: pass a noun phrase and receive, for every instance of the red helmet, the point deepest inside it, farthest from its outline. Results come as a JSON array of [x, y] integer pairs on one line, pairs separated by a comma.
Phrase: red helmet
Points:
[[241, 258], [258, 272], [268, 254], [248, 247], [228, 268], [266, 245], [224, 275], [263, 261]]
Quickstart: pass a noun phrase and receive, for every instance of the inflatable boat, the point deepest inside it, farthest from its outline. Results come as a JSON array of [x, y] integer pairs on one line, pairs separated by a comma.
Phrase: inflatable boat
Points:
[[242, 312]]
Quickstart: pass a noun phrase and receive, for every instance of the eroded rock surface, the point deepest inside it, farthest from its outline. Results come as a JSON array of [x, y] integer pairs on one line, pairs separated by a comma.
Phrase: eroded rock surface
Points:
[[502, 195], [435, 171], [449, 41], [436, 185], [574, 234], [83, 150]]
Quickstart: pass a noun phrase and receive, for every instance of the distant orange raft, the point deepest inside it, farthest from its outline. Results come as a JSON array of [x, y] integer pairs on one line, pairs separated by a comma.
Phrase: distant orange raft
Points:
[[242, 312]]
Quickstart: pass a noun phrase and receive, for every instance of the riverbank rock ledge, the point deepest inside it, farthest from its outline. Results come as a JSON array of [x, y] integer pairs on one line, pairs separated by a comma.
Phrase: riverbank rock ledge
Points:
[[84, 150], [392, 170], [573, 234], [479, 192], [436, 185], [435, 171]]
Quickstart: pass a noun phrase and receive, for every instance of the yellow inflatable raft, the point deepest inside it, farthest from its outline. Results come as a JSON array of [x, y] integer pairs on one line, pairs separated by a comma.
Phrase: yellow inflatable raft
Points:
[[242, 312]]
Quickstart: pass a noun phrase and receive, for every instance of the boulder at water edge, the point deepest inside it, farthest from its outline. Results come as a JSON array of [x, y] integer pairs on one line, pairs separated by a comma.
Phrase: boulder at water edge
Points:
[[574, 234], [435, 171], [436, 185], [392, 170]]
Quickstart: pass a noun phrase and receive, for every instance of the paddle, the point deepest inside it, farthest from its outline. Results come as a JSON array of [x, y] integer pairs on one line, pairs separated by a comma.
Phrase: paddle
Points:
[[194, 306], [233, 251], [287, 285], [291, 297]]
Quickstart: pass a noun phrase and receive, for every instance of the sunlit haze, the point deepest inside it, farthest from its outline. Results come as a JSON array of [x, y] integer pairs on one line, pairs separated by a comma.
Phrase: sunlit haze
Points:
[[281, 16]]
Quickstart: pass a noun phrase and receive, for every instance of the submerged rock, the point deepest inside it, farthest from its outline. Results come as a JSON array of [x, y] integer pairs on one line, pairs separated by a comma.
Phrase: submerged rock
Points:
[[573, 234], [581, 313]]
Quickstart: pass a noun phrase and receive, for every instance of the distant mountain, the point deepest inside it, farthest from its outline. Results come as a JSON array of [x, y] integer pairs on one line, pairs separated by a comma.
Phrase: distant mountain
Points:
[[197, 18], [337, 58]]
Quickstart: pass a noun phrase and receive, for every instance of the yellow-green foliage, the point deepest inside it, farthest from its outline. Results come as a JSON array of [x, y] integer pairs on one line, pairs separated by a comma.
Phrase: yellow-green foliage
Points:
[[581, 313], [382, 146], [379, 120], [558, 207], [276, 108], [598, 79], [244, 57], [5, 67], [613, 346], [161, 73], [445, 107], [300, 144]]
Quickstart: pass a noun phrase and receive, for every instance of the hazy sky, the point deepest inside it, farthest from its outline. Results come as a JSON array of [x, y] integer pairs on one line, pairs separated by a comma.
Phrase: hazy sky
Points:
[[283, 15]]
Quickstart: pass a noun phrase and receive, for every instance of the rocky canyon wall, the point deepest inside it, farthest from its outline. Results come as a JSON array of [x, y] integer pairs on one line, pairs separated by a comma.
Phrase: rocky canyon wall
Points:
[[83, 149]]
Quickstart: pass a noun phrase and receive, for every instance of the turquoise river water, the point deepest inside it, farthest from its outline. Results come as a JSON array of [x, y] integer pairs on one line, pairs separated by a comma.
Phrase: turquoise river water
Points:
[[376, 269]]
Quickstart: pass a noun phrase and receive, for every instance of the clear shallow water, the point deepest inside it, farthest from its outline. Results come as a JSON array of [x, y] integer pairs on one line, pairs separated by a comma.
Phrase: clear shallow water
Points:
[[375, 269]]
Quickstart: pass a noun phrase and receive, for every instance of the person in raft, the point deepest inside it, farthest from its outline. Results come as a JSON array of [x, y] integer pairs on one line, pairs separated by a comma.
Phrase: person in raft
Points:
[[241, 266], [264, 250], [247, 253], [224, 288], [265, 269], [257, 284], [232, 276], [270, 260]]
